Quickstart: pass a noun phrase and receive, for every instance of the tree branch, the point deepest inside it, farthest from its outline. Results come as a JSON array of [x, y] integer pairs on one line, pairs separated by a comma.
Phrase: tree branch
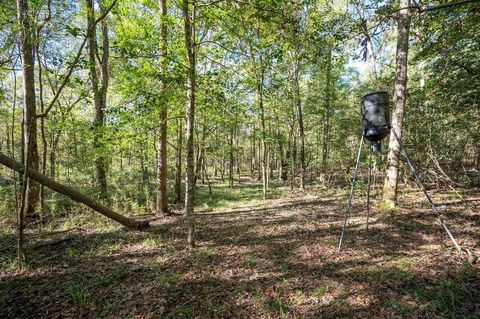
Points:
[[75, 61]]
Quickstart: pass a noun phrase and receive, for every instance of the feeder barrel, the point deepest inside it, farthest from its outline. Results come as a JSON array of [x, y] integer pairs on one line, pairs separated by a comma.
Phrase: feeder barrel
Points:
[[375, 114]]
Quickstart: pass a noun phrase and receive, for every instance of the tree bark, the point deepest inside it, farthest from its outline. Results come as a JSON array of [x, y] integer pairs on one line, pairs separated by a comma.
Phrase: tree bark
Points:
[[391, 181], [162, 201], [190, 121], [252, 159], [260, 82], [230, 162], [298, 104], [178, 164], [99, 97], [72, 193], [326, 113], [30, 151], [293, 150]]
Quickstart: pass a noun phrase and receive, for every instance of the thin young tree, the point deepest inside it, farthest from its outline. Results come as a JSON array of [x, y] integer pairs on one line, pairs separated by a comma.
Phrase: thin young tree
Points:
[[162, 201], [99, 89], [178, 163], [326, 113], [190, 121], [30, 153]]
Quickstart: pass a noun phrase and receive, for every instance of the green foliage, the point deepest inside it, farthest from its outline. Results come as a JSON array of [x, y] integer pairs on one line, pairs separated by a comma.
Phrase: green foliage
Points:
[[77, 292], [203, 255], [319, 292], [169, 279]]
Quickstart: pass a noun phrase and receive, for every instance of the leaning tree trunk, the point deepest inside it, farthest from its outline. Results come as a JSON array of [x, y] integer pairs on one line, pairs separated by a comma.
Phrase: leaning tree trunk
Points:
[[391, 181], [30, 152], [99, 93], [162, 201], [72, 193], [190, 118]]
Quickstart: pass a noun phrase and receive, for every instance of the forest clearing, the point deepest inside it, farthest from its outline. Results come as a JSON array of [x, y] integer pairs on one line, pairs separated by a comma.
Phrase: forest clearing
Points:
[[240, 159]]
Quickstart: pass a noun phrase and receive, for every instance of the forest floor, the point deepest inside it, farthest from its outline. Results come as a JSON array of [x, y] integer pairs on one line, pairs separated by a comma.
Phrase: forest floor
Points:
[[257, 259]]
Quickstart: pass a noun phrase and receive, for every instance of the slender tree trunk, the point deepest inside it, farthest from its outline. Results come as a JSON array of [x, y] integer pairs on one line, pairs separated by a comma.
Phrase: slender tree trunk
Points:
[[30, 151], [252, 159], [293, 154], [222, 167], [293, 150], [238, 158], [12, 150], [283, 171], [178, 164], [99, 93], [162, 200], [104, 76], [205, 173], [298, 103], [230, 164], [326, 114], [53, 154], [190, 118], [198, 167], [391, 181], [201, 155], [42, 120], [260, 82], [259, 165]]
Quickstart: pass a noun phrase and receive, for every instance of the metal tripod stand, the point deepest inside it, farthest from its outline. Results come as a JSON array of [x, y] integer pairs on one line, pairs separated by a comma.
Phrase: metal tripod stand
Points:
[[417, 179]]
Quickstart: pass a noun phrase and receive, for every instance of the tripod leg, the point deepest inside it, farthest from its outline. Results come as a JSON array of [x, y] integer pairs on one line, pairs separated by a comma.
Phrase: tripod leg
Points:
[[420, 184], [368, 185], [349, 203]]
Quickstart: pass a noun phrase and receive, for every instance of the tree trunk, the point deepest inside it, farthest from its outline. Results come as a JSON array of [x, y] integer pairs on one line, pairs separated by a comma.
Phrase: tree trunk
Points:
[[222, 166], [190, 118], [298, 103], [99, 95], [162, 201], [230, 164], [293, 151], [391, 181], [260, 82], [326, 114], [30, 149], [252, 159], [178, 164], [72, 193], [42, 119], [293, 159], [199, 162]]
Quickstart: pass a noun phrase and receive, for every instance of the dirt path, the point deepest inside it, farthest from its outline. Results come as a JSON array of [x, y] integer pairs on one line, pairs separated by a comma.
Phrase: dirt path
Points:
[[259, 262]]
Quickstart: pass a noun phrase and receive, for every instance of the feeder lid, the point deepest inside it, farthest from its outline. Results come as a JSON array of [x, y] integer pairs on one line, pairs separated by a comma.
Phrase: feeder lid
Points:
[[375, 93]]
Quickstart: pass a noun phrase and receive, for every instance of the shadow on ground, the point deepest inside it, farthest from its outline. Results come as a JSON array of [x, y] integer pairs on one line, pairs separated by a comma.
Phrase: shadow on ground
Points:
[[255, 262]]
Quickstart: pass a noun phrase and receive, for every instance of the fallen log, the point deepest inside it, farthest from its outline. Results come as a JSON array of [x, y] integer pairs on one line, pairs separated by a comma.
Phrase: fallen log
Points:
[[73, 194]]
